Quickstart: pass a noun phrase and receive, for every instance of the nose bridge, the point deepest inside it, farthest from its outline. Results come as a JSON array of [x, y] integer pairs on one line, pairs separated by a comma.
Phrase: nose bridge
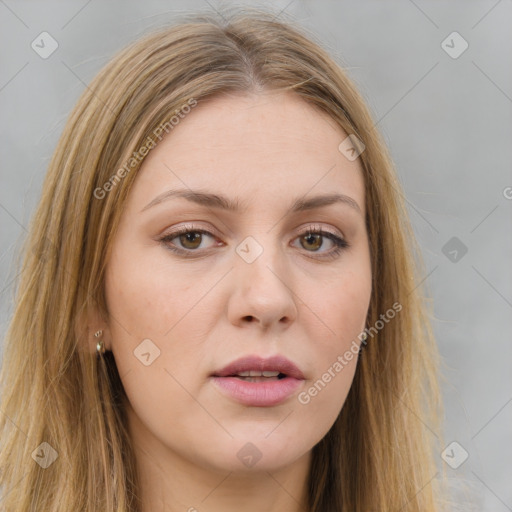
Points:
[[261, 259], [262, 282]]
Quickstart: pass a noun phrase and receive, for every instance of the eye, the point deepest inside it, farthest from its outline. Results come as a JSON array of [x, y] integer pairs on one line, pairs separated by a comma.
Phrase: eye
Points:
[[187, 239], [314, 239]]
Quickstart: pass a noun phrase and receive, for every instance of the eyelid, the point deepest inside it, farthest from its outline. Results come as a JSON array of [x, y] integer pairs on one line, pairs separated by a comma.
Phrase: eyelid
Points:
[[314, 226], [185, 228], [306, 228]]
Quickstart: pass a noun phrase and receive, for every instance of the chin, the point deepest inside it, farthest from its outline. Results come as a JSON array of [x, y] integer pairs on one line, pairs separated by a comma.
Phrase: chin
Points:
[[248, 454]]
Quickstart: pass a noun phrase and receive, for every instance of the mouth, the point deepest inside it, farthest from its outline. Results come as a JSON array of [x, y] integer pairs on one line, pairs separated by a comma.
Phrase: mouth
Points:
[[276, 367], [257, 376], [259, 382]]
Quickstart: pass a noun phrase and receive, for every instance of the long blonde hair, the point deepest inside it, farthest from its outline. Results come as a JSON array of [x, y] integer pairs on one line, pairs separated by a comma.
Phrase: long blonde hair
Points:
[[379, 453]]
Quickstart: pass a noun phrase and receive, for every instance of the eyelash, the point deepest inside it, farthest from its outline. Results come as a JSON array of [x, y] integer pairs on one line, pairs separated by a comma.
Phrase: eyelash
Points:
[[339, 243]]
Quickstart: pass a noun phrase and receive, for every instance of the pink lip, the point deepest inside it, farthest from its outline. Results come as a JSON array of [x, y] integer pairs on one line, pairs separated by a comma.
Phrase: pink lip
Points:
[[259, 394]]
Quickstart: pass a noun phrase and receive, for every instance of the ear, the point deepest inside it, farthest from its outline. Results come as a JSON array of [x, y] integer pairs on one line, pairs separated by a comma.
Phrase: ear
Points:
[[90, 322]]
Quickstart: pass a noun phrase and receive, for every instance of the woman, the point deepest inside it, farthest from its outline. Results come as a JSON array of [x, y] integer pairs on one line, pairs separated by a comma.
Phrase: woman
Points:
[[219, 306]]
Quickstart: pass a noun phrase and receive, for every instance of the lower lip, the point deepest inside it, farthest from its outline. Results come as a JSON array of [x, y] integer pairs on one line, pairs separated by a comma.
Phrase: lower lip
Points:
[[258, 394]]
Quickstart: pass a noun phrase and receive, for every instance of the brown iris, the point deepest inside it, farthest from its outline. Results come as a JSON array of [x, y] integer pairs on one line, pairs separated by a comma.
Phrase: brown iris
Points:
[[314, 240], [191, 240]]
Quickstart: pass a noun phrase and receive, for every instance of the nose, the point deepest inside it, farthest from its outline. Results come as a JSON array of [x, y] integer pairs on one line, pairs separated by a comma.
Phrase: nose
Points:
[[262, 293]]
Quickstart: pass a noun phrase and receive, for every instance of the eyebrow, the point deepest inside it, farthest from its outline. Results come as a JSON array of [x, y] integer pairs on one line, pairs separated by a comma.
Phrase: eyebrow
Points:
[[217, 201]]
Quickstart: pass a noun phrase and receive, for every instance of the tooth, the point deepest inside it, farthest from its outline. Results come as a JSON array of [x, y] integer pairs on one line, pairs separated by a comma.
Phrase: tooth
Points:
[[257, 373]]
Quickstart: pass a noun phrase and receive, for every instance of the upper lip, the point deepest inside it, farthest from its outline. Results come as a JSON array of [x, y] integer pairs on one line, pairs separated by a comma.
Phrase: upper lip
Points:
[[275, 363]]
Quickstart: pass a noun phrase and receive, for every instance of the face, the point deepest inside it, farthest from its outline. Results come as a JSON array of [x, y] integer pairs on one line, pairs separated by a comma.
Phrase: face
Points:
[[252, 257]]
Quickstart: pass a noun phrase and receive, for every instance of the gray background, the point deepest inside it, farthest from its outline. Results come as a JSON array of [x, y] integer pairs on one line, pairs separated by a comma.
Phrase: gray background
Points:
[[447, 122]]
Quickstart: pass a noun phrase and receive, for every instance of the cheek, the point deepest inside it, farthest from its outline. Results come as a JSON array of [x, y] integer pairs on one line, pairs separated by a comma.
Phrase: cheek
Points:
[[324, 396], [170, 313], [150, 298], [340, 309], [158, 311], [341, 306]]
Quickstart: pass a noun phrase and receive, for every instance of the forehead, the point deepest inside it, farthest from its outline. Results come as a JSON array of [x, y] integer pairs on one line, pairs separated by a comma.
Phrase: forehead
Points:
[[260, 146]]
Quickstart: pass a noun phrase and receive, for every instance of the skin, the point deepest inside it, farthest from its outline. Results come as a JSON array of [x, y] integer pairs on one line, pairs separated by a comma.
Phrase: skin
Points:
[[207, 308]]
